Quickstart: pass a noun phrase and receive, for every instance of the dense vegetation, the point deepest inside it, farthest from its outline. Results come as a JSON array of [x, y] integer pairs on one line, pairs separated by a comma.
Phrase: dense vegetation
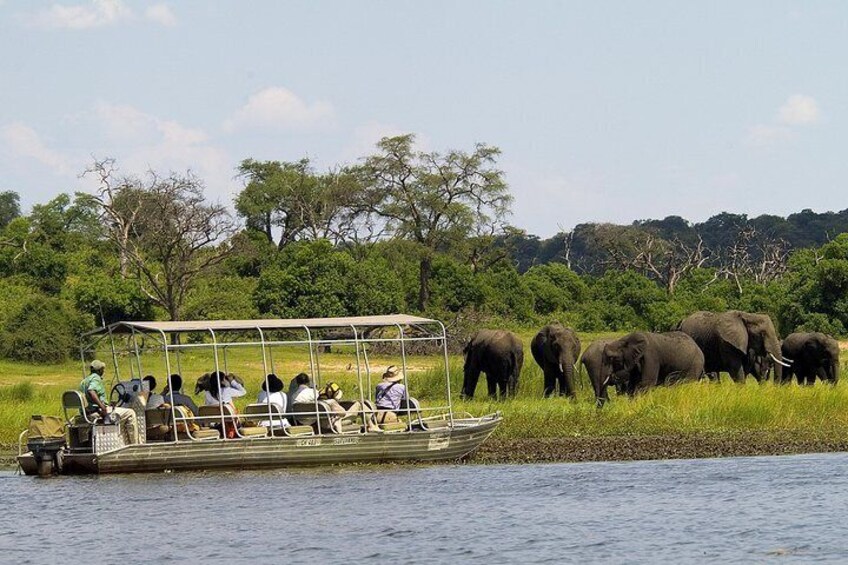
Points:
[[402, 231]]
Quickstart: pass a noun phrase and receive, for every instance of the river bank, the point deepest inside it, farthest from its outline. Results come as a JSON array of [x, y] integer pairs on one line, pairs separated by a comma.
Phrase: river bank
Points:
[[684, 446], [634, 448]]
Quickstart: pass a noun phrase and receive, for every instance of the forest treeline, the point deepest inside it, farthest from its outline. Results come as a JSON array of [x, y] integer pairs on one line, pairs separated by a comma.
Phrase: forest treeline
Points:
[[401, 231]]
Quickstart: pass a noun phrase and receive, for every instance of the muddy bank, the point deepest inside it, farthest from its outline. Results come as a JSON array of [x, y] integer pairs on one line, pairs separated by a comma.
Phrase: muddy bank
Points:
[[690, 446]]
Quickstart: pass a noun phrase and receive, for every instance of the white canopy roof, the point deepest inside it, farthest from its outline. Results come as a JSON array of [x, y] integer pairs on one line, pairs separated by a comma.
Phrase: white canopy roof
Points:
[[265, 325]]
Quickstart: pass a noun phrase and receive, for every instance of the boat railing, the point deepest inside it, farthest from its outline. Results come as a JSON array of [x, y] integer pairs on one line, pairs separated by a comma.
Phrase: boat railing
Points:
[[416, 416]]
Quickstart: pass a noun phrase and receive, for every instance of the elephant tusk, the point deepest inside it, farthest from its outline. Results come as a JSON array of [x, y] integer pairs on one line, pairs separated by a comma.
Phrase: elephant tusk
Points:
[[786, 359], [606, 381], [560, 368], [778, 361]]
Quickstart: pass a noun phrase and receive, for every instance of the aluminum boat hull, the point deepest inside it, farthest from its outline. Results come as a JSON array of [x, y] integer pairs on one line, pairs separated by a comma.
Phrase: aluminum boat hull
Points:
[[278, 452]]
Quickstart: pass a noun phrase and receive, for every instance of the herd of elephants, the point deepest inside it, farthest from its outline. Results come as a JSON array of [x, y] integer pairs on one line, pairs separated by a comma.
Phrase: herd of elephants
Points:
[[703, 344]]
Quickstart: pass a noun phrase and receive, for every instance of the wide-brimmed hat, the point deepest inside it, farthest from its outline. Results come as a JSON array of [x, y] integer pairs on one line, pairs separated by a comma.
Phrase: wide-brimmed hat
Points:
[[393, 374], [274, 384], [331, 391]]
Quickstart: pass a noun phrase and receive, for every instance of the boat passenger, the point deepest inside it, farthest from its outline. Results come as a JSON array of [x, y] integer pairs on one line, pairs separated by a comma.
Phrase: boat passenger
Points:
[[331, 394], [95, 393], [230, 388], [390, 395], [173, 391], [275, 396], [154, 399], [301, 389]]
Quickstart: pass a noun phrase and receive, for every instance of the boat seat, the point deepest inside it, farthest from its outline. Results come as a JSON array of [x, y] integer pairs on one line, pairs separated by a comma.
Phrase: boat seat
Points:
[[393, 427], [212, 414], [304, 415], [294, 431], [202, 434], [73, 401]]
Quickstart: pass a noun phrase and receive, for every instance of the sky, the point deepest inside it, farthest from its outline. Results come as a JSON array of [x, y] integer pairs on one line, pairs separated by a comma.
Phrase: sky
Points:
[[604, 111]]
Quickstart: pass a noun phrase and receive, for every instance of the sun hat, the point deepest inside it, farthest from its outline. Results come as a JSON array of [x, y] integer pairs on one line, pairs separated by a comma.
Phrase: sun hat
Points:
[[274, 384], [393, 374], [331, 390], [97, 365]]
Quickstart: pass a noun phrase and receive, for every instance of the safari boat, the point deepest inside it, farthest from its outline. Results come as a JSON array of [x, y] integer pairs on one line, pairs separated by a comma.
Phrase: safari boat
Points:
[[173, 439]]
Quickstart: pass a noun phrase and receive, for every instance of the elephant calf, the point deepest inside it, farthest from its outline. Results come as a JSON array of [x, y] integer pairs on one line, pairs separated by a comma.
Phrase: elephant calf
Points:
[[811, 355], [646, 359], [556, 348], [499, 354]]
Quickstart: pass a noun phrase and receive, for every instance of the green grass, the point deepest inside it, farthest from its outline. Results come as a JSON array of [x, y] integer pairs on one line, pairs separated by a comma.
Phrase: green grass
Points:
[[820, 410]]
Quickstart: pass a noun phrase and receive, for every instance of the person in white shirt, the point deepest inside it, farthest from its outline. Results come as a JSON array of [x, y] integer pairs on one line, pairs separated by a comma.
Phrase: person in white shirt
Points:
[[272, 394], [230, 389], [301, 389]]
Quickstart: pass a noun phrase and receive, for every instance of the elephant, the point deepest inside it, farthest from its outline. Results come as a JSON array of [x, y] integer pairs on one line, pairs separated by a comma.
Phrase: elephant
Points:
[[592, 361], [641, 360], [812, 354], [736, 342], [556, 349], [499, 354]]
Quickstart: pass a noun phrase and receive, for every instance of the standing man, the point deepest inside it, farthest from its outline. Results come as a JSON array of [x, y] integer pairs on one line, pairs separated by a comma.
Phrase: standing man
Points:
[[94, 390]]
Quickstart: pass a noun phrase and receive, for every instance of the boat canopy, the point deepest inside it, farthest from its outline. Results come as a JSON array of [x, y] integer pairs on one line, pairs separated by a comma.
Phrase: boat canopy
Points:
[[390, 320]]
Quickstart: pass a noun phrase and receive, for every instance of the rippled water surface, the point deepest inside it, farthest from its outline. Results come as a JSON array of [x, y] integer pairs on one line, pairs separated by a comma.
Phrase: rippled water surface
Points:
[[787, 509]]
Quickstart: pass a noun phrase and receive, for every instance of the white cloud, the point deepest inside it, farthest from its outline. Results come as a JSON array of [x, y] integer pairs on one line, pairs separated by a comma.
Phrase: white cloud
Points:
[[161, 14], [279, 108], [97, 13], [23, 141], [140, 140], [799, 110], [762, 135]]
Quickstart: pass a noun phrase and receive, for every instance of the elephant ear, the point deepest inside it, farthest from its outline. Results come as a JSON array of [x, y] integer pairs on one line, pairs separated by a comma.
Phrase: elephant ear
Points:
[[733, 332], [636, 350]]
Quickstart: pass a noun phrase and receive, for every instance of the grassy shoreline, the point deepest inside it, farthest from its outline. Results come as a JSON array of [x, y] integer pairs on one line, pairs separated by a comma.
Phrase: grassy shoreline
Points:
[[688, 419]]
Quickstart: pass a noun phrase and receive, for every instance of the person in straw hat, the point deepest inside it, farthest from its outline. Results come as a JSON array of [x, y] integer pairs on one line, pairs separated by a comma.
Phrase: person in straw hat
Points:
[[390, 395]]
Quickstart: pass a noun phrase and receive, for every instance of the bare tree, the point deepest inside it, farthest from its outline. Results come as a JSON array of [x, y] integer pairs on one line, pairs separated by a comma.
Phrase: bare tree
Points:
[[165, 231]]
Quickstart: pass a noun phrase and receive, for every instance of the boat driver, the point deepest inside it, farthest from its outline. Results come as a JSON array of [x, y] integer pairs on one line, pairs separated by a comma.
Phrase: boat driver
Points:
[[95, 393]]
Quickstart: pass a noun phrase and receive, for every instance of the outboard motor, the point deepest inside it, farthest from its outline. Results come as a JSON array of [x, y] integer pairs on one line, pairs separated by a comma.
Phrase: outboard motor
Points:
[[46, 441]]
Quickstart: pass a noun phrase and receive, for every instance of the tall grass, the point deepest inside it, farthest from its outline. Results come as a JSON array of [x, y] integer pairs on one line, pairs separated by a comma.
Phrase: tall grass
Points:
[[820, 410]]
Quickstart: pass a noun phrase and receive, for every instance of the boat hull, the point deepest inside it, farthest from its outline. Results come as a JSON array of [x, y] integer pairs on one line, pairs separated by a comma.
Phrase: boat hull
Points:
[[280, 452]]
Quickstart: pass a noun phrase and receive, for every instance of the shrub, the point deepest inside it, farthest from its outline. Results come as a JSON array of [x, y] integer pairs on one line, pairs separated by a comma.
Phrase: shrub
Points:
[[45, 330]]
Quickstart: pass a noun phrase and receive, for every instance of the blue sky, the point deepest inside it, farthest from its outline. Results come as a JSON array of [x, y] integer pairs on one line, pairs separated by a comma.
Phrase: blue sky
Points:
[[605, 111]]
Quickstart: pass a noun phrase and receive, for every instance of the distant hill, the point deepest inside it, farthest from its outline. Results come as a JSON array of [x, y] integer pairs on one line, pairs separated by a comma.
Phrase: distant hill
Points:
[[590, 247]]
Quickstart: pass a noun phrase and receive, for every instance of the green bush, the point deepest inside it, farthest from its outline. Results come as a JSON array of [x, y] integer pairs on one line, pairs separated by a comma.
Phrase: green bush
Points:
[[44, 330], [222, 298], [312, 279]]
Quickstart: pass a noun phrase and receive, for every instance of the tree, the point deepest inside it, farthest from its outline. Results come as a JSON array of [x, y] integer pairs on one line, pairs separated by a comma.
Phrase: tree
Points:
[[295, 200], [433, 199], [165, 231], [10, 207]]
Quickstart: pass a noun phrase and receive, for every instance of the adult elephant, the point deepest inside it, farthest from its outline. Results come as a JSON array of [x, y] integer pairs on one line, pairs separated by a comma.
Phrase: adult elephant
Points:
[[556, 349], [592, 362], [733, 341], [499, 354], [647, 359], [812, 354]]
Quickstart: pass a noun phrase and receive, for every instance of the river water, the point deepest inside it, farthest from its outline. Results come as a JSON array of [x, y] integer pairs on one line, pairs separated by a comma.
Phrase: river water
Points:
[[785, 509]]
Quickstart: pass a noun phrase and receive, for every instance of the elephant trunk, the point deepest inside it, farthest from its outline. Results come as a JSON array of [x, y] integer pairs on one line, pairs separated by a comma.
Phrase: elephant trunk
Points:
[[566, 364], [773, 350], [834, 371]]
